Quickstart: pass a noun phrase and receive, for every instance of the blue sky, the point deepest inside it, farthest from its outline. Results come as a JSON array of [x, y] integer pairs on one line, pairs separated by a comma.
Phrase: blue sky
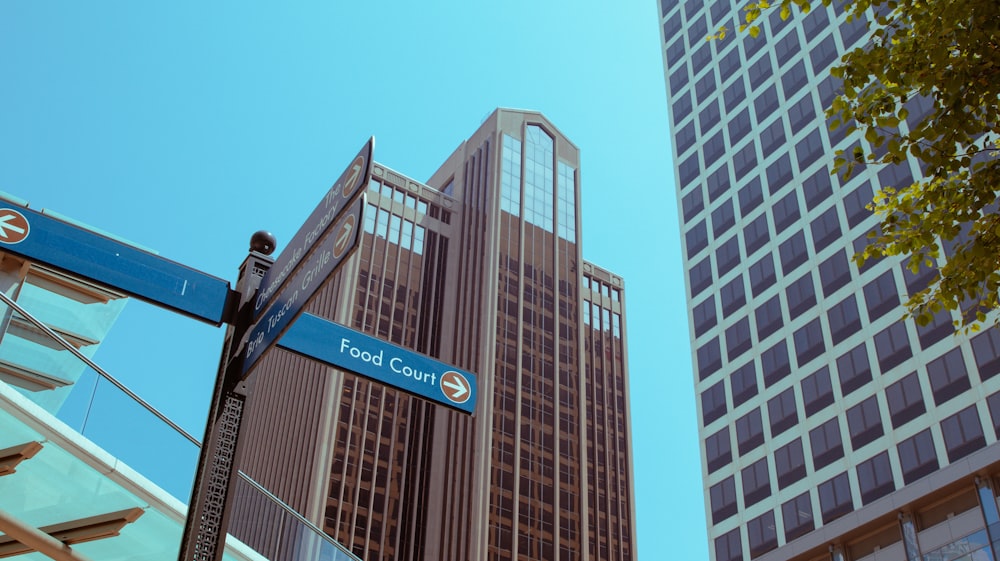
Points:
[[186, 126]]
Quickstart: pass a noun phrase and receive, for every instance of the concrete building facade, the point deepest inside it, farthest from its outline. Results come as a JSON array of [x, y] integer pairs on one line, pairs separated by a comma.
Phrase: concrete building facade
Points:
[[829, 428], [480, 267]]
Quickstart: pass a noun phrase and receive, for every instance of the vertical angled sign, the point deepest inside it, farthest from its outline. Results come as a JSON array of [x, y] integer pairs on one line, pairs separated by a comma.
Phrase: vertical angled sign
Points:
[[298, 251], [295, 292]]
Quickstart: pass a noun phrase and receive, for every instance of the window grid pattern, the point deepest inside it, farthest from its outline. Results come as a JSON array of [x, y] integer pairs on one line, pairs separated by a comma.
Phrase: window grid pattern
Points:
[[784, 106]]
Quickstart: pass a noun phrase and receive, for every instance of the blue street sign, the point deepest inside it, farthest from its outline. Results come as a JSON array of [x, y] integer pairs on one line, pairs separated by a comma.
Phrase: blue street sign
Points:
[[392, 365], [50, 241], [296, 252], [296, 292]]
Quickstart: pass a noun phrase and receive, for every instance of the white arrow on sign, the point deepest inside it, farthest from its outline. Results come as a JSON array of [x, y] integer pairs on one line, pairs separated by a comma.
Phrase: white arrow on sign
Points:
[[4, 226], [460, 388], [345, 235]]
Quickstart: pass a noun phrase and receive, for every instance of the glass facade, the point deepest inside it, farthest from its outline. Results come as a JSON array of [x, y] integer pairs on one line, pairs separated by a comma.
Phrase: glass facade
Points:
[[808, 344]]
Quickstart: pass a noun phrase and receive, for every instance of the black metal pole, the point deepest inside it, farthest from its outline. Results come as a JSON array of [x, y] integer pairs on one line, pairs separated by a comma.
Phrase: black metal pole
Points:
[[208, 511]]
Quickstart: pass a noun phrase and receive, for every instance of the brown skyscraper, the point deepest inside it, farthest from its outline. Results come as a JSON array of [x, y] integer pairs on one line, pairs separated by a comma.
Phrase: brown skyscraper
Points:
[[482, 268]]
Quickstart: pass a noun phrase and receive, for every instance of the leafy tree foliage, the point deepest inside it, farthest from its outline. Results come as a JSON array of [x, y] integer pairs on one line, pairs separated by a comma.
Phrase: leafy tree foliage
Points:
[[926, 84]]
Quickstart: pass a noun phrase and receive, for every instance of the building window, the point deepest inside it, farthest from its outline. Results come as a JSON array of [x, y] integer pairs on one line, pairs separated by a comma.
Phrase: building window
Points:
[[905, 400], [692, 204], [738, 338], [801, 296], [935, 330], [853, 369], [993, 401], [789, 463], [682, 107], [744, 160], [802, 113], [723, 498], [730, 62], [771, 138], [875, 478], [817, 391], [734, 94], [756, 482], [825, 229], [917, 457], [816, 22], [739, 126], [835, 498], [844, 319], [962, 433], [948, 376], [709, 358], [705, 86], [755, 234], [762, 274], [892, 345], [823, 54], [718, 181], [781, 412], [700, 276], [779, 173], [760, 71], [809, 149], [749, 432], [853, 30], [762, 534], [829, 88], [510, 188], [793, 252], [713, 403], [986, 349], [696, 239], [855, 203], [766, 103], [751, 196], [834, 273], [733, 296], [728, 546], [743, 382], [718, 450], [897, 176], [675, 52], [728, 255], [685, 138], [826, 444], [816, 188], [774, 362], [809, 342], [864, 422], [768, 317], [709, 117], [723, 218], [798, 517], [704, 316], [881, 295], [539, 176], [793, 79], [785, 212]]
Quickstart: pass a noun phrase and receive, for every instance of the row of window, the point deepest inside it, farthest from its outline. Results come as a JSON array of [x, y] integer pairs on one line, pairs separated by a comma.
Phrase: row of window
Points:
[[946, 377], [917, 456]]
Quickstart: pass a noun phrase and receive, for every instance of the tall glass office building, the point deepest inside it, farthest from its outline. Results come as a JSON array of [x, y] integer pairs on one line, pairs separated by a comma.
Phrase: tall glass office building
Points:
[[829, 429], [480, 267]]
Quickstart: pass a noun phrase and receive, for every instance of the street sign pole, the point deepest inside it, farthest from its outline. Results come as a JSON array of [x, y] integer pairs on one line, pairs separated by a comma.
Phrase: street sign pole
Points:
[[208, 510]]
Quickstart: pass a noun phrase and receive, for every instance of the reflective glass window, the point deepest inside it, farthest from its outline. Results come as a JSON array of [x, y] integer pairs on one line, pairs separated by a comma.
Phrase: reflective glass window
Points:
[[905, 400], [823, 54], [734, 94], [881, 295], [705, 86], [794, 79], [986, 348], [749, 432], [704, 316], [755, 234], [844, 319], [772, 138], [759, 71], [723, 499], [855, 202], [797, 515], [963, 434], [751, 196], [738, 338], [713, 403], [853, 369], [825, 229], [675, 53], [700, 276], [718, 182], [793, 252], [744, 160], [801, 113], [743, 382], [696, 239], [728, 546], [815, 22], [682, 107], [733, 295], [948, 376], [781, 412], [834, 273], [709, 358], [768, 317], [826, 443], [692, 203], [779, 173], [864, 421], [728, 255], [756, 482], [730, 62], [723, 218], [766, 103], [762, 274], [718, 450], [875, 478], [774, 363], [786, 211], [739, 126], [917, 456], [808, 342], [709, 117], [817, 391], [761, 534], [892, 346], [809, 149], [789, 463], [835, 498], [800, 295], [816, 188]]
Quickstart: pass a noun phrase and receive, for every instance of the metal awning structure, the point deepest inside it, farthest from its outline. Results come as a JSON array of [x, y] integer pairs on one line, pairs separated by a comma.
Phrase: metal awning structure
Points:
[[76, 501]]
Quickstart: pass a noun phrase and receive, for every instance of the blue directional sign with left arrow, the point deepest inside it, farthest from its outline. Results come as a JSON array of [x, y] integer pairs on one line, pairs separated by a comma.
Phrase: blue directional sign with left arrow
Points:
[[144, 275]]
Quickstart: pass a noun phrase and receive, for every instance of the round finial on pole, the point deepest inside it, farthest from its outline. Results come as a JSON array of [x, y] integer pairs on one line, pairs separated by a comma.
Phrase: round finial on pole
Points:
[[262, 241]]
